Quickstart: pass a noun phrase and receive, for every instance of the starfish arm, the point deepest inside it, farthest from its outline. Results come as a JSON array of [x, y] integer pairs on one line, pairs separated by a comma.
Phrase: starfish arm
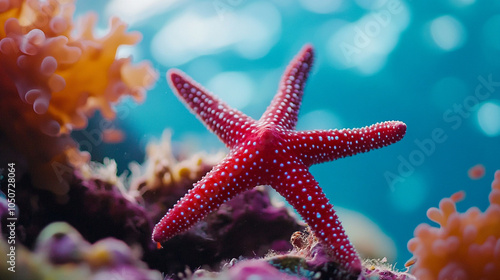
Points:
[[317, 146], [302, 191], [229, 124], [285, 106], [223, 182]]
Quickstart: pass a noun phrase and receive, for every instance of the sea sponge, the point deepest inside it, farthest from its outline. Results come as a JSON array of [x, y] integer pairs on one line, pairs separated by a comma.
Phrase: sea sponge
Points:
[[464, 245]]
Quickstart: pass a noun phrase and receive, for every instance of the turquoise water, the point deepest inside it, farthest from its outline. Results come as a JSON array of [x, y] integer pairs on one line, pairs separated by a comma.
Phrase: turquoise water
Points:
[[434, 67]]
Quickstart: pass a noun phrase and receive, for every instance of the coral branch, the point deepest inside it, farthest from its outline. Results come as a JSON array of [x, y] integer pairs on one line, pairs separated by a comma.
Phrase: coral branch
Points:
[[54, 74]]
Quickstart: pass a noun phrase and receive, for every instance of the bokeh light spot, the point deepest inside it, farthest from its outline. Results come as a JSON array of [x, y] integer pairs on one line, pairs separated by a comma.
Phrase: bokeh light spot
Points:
[[319, 119], [234, 88], [488, 118], [250, 31], [366, 43], [321, 6], [448, 33]]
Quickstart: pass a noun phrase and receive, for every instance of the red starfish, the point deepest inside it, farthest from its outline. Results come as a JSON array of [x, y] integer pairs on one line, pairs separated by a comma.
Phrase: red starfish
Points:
[[270, 152]]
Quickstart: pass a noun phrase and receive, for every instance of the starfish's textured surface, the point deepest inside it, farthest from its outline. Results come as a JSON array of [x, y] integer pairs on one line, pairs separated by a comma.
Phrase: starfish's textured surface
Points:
[[269, 151]]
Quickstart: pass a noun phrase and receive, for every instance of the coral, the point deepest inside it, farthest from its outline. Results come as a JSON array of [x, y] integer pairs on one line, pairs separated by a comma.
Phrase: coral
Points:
[[309, 259], [113, 135], [164, 177], [476, 172], [54, 73], [464, 245], [100, 206], [77, 219], [63, 74], [61, 253]]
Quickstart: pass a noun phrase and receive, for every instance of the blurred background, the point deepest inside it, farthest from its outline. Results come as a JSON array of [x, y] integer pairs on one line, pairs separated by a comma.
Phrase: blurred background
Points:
[[435, 67]]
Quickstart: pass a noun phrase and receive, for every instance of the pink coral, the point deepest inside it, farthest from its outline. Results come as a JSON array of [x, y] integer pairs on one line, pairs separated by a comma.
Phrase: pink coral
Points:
[[464, 246]]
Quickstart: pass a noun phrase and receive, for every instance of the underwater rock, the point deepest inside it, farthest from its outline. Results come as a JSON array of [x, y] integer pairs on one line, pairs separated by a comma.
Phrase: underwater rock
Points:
[[307, 260], [247, 226], [248, 269], [310, 260], [96, 208]]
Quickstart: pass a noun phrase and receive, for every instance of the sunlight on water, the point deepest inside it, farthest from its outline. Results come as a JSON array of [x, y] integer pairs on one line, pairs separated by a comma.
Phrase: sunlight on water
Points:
[[249, 33], [365, 44]]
